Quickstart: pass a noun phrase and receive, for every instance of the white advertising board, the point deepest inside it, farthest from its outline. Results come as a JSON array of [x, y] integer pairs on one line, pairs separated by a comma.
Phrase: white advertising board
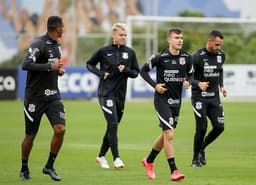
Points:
[[240, 80]]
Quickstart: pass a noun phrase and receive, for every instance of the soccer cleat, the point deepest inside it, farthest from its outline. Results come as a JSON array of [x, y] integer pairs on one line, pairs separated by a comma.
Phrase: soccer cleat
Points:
[[25, 176], [51, 172], [149, 168], [201, 157], [177, 176], [102, 161], [196, 163], [118, 163]]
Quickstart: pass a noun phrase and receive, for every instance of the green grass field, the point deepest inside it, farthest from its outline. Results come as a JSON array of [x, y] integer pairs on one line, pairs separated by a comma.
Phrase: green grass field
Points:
[[231, 159]]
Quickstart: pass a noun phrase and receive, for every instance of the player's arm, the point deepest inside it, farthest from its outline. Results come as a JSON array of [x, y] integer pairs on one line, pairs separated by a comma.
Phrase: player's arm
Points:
[[189, 73], [31, 61], [91, 65], [222, 89], [195, 62], [144, 71], [221, 72]]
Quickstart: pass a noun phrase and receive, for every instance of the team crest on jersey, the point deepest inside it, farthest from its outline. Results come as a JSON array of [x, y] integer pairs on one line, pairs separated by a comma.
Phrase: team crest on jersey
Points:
[[182, 61], [31, 108], [125, 55], [109, 103], [198, 105], [219, 60]]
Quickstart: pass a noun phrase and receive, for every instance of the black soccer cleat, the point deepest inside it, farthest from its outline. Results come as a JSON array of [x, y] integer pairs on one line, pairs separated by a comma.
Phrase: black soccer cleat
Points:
[[201, 157], [25, 175], [196, 163], [51, 172]]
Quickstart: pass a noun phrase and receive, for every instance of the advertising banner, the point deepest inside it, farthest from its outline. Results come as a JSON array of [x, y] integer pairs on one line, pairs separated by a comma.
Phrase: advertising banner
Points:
[[8, 84], [240, 80], [78, 82]]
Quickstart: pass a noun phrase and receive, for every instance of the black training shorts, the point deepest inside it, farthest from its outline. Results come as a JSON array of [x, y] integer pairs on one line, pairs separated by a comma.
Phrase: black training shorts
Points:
[[34, 110], [167, 113]]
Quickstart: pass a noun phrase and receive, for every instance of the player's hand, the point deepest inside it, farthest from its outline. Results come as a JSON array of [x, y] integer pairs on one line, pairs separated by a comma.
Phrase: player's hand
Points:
[[106, 75], [186, 84], [61, 71], [121, 68], [223, 91], [55, 66], [203, 85], [160, 88]]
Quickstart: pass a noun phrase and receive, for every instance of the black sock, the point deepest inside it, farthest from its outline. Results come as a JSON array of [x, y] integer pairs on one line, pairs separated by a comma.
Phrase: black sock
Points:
[[24, 165], [153, 154], [172, 165], [51, 160]]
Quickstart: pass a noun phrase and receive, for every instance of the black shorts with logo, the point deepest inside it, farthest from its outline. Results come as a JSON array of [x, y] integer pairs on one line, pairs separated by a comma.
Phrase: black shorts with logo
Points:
[[167, 112], [34, 110]]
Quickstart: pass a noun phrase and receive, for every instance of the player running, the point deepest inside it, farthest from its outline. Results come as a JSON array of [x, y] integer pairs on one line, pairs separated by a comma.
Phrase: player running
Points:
[[42, 95], [173, 70], [117, 63], [208, 81]]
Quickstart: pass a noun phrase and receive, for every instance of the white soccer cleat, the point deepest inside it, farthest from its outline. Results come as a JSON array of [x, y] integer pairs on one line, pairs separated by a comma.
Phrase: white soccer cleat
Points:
[[118, 163], [102, 161]]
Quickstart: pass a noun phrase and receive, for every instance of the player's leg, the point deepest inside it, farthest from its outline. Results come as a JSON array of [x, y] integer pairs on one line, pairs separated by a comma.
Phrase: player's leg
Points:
[[109, 108], [156, 149], [148, 162], [166, 122], [120, 103], [168, 137], [26, 148], [168, 116], [33, 112], [120, 109], [216, 116], [56, 115], [168, 148], [103, 150], [105, 145], [200, 109]]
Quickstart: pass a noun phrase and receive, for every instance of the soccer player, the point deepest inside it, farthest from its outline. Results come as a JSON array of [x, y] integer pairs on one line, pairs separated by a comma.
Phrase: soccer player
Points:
[[42, 95], [173, 71], [208, 81], [117, 63]]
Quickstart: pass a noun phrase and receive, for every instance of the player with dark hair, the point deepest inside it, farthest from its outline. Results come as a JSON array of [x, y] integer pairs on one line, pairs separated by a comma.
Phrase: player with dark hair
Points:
[[173, 71], [42, 95], [208, 81], [117, 63]]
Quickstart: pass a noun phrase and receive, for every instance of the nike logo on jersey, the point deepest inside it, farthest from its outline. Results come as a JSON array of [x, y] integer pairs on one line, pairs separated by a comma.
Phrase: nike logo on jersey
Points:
[[109, 54], [48, 42]]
